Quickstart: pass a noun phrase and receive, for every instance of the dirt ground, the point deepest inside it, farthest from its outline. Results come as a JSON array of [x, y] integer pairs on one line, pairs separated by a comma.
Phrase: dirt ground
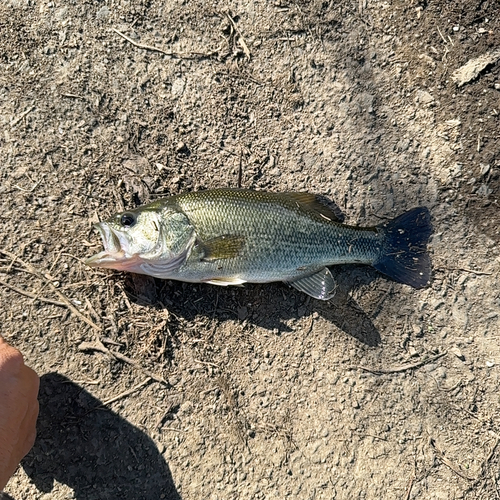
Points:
[[155, 389]]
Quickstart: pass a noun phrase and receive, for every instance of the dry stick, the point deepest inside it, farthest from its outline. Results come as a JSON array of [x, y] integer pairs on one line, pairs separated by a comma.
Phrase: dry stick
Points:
[[100, 347], [444, 39], [240, 170], [454, 468], [180, 55], [440, 456], [243, 44], [401, 368], [32, 295], [465, 270], [15, 121], [63, 297], [410, 487], [126, 393]]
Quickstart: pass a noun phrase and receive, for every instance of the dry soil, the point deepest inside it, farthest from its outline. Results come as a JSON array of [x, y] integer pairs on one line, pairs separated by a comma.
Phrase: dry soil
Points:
[[155, 389]]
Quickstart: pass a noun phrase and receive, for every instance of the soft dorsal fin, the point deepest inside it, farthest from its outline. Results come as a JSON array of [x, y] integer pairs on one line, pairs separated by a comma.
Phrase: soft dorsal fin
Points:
[[318, 204], [226, 246]]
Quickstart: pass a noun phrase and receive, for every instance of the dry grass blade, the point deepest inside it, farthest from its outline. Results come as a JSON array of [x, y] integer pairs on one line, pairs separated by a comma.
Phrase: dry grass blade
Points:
[[180, 55], [32, 295], [100, 347], [63, 297], [126, 393], [446, 461], [402, 368], [241, 40]]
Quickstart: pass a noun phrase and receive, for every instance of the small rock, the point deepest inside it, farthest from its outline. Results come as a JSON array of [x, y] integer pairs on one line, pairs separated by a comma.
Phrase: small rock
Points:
[[490, 364], [242, 313], [484, 168], [423, 97], [484, 190], [178, 87], [458, 353], [103, 12], [412, 352], [417, 330], [181, 147]]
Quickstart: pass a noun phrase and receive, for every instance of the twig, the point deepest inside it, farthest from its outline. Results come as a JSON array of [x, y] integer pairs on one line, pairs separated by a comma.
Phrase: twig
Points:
[[454, 468], [15, 121], [180, 55], [410, 487], [401, 368], [240, 170], [444, 39], [100, 347], [243, 44], [63, 297], [31, 189], [126, 393], [449, 463], [465, 270], [32, 295], [73, 96]]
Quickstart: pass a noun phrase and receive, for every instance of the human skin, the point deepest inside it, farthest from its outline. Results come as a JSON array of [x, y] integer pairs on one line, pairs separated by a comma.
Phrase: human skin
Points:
[[18, 409]]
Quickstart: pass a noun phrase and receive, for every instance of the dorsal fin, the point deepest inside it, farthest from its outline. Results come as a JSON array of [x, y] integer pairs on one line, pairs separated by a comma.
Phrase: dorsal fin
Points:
[[318, 204]]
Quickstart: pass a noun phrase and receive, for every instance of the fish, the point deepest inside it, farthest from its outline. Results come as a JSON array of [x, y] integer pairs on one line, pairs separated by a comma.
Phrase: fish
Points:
[[234, 236]]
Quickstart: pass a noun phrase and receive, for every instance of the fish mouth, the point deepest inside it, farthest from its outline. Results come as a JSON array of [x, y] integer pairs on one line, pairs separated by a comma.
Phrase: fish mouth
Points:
[[113, 254]]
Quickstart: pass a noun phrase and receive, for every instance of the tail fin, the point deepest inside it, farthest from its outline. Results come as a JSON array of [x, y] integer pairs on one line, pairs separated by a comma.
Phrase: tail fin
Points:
[[404, 256]]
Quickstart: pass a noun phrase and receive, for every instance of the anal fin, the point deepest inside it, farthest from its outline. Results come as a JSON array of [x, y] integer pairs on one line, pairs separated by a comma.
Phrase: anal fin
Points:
[[320, 285]]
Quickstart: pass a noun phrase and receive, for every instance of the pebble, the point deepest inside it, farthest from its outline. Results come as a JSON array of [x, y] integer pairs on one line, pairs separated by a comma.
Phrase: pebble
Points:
[[412, 352], [242, 313], [423, 97], [103, 12], [458, 353], [417, 330]]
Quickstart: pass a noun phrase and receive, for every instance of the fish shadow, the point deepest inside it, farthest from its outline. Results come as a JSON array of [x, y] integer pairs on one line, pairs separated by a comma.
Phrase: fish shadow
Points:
[[267, 305], [94, 451]]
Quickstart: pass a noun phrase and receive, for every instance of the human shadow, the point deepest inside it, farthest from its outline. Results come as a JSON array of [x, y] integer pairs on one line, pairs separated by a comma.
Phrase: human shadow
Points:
[[93, 450], [271, 304]]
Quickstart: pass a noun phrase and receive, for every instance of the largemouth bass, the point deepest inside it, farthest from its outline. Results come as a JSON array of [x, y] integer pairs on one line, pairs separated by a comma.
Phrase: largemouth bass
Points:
[[233, 236]]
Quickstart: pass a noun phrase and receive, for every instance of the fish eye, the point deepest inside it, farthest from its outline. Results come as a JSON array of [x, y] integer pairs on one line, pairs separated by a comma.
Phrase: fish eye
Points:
[[128, 220]]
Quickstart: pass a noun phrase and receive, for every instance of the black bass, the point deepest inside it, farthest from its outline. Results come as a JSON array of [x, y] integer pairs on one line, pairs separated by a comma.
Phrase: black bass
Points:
[[233, 236]]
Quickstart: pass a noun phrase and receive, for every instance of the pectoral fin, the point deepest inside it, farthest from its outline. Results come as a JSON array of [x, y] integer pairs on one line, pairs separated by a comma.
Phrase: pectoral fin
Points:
[[222, 247], [320, 285]]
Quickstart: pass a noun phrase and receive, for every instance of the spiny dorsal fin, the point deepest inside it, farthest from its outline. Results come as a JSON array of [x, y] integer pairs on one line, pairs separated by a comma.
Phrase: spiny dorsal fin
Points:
[[226, 246], [318, 204]]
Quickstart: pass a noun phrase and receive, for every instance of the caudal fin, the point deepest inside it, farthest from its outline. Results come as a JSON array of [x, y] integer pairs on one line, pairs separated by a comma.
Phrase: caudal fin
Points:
[[404, 257]]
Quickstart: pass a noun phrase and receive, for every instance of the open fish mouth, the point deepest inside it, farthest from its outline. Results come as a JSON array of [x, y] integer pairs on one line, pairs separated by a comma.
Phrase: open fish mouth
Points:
[[112, 253]]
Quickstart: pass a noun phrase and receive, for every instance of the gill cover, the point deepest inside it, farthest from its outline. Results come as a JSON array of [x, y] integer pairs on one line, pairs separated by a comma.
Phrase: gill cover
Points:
[[146, 241]]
